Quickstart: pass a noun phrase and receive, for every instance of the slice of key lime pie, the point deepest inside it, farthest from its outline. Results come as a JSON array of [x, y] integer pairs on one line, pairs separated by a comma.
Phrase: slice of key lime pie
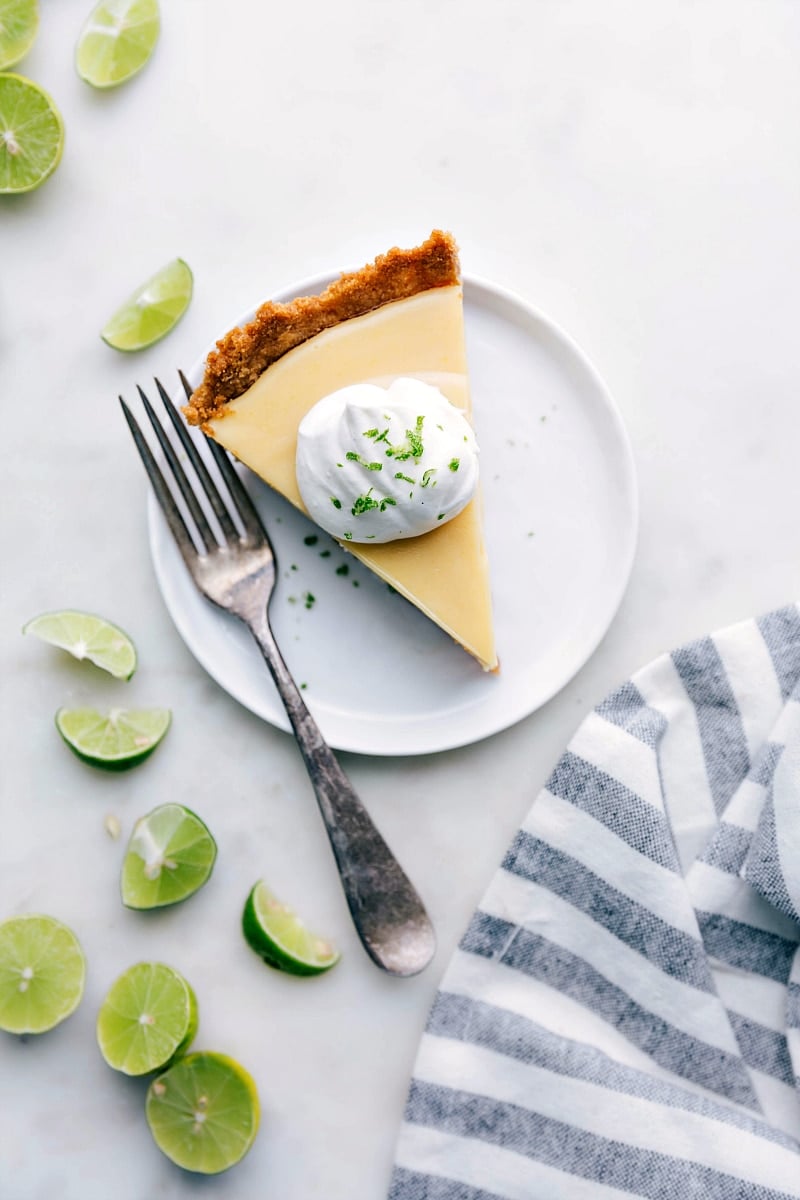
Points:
[[354, 405]]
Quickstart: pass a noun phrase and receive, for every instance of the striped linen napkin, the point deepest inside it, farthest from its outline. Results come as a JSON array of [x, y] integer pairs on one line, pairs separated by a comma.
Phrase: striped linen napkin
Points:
[[622, 1016]]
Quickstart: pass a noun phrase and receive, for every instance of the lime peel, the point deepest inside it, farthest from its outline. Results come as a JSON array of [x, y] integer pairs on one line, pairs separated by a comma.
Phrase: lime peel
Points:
[[278, 935], [117, 741]]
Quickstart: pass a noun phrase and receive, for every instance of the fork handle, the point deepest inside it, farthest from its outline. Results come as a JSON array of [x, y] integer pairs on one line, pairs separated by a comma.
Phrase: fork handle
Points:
[[388, 914]]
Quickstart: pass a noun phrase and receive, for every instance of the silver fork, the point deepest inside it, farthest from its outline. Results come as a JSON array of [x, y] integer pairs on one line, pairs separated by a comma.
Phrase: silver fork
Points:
[[237, 573]]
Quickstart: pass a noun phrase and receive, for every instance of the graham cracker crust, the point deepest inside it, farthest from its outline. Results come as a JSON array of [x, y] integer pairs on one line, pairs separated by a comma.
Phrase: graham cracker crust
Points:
[[245, 353]]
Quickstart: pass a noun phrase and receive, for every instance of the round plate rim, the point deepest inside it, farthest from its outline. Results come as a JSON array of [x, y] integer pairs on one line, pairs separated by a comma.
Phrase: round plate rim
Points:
[[496, 296]]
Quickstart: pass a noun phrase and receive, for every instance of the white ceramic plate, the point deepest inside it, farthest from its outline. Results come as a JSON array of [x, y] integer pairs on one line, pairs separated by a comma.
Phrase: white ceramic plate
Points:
[[560, 507]]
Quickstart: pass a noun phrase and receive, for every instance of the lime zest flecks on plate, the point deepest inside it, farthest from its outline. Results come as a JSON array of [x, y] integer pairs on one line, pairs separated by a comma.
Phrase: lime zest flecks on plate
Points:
[[117, 40], [152, 310], [31, 135], [169, 856], [19, 22], [279, 936], [42, 973], [147, 1019], [203, 1112], [115, 741], [85, 635]]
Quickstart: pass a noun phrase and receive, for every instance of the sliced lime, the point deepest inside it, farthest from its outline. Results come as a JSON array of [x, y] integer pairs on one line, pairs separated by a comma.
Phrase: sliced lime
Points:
[[148, 1018], [169, 856], [87, 636], [276, 933], [117, 40], [122, 739], [203, 1112], [31, 135], [42, 973], [153, 309], [19, 21]]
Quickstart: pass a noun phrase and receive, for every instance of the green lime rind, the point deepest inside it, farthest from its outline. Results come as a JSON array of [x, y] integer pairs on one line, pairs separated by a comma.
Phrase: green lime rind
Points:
[[116, 41], [122, 739], [169, 856], [42, 973], [87, 636], [147, 1020], [152, 311], [19, 24], [31, 135], [204, 1112], [278, 936]]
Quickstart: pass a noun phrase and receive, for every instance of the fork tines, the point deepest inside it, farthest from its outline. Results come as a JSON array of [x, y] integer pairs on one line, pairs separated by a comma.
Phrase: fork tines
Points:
[[240, 504]]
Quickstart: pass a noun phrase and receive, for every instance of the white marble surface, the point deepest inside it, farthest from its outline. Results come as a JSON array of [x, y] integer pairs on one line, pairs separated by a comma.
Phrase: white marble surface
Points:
[[632, 169]]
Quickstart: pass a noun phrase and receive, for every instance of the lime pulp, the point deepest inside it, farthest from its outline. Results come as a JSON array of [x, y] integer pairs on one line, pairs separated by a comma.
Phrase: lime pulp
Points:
[[147, 1019], [31, 135], [42, 973], [117, 40], [169, 856], [19, 21], [85, 635], [203, 1112], [152, 310]]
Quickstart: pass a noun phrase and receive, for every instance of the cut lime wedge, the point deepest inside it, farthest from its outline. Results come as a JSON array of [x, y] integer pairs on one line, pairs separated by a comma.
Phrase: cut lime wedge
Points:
[[153, 309], [31, 135], [148, 1018], [19, 21], [169, 856], [122, 739], [42, 973], [203, 1112], [117, 40], [87, 636], [280, 937]]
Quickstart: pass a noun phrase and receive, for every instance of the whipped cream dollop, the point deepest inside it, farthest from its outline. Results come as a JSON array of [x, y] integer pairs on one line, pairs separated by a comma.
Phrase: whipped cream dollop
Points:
[[379, 463]]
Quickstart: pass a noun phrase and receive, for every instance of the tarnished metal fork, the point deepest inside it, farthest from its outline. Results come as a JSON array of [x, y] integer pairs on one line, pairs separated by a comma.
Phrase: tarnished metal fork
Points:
[[236, 571]]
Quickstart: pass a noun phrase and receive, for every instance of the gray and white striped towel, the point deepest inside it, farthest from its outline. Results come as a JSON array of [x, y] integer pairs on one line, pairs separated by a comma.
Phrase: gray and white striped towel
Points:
[[622, 1017]]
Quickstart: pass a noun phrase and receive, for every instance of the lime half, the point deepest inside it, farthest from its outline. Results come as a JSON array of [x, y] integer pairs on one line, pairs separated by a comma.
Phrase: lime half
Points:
[[169, 856], [117, 40], [276, 933], [42, 973], [19, 21], [122, 739], [31, 135], [153, 309], [148, 1018], [87, 636], [203, 1112]]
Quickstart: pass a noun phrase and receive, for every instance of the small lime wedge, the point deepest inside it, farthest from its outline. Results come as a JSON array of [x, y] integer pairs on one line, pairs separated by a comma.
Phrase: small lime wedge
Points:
[[276, 933], [121, 739], [19, 21], [31, 135], [153, 309], [87, 636], [42, 973], [148, 1018], [117, 40], [203, 1112], [169, 856]]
